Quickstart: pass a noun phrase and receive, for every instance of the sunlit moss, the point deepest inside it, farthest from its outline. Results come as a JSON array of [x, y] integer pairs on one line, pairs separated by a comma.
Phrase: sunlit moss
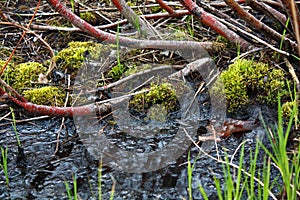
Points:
[[246, 81], [24, 75], [117, 71], [70, 59], [51, 96], [287, 110], [163, 94]]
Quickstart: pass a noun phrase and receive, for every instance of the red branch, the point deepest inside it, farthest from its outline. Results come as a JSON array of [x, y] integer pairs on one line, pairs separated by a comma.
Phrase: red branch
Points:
[[255, 23], [163, 5], [90, 109], [124, 41], [217, 26]]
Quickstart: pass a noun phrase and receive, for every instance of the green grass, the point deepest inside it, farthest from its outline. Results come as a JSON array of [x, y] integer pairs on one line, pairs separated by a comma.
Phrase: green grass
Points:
[[75, 195], [68, 189], [288, 163], [255, 183], [3, 165], [14, 125]]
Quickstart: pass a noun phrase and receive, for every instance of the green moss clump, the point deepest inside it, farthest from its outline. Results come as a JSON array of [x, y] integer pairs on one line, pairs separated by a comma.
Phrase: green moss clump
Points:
[[23, 75], [51, 96], [163, 94], [89, 17], [246, 80], [287, 110], [71, 59], [117, 71]]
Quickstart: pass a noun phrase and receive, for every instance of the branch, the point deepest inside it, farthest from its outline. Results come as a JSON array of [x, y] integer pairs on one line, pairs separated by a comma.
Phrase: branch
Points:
[[217, 26], [258, 25], [124, 41]]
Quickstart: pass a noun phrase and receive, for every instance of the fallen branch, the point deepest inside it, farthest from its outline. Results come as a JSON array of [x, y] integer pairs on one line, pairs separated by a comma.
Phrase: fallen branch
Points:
[[124, 41], [216, 25]]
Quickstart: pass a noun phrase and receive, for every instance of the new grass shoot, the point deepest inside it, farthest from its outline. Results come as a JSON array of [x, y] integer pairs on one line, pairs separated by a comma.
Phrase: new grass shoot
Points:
[[4, 166]]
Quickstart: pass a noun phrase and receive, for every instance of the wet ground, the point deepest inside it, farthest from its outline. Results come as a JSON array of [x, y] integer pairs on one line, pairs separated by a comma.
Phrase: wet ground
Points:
[[37, 172]]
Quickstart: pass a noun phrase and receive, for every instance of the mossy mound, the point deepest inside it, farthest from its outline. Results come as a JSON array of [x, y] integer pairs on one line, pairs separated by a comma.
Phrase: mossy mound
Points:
[[50, 95], [247, 81], [70, 59], [162, 94], [24, 75]]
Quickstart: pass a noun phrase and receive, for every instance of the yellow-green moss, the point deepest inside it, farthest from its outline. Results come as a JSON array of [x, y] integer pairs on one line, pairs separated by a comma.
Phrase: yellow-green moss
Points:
[[50, 95], [116, 72], [136, 69], [89, 17], [246, 81], [70, 59], [163, 94], [287, 110], [24, 75]]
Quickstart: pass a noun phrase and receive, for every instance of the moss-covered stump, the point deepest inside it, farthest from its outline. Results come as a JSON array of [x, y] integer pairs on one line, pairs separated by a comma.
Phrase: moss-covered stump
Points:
[[247, 81], [50, 95]]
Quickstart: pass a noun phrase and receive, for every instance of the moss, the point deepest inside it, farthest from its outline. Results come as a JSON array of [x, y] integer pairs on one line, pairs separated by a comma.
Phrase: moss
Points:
[[246, 81], [116, 72], [156, 9], [224, 41], [287, 110], [162, 94], [50, 95], [136, 69], [89, 17], [70, 59], [157, 113], [24, 75]]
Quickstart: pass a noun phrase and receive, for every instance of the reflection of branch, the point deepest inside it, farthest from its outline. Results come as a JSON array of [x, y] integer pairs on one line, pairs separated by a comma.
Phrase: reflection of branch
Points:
[[134, 19]]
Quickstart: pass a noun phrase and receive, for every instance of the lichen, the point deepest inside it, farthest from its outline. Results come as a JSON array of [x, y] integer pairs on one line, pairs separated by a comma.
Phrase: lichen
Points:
[[49, 95], [24, 75], [247, 81], [163, 94]]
